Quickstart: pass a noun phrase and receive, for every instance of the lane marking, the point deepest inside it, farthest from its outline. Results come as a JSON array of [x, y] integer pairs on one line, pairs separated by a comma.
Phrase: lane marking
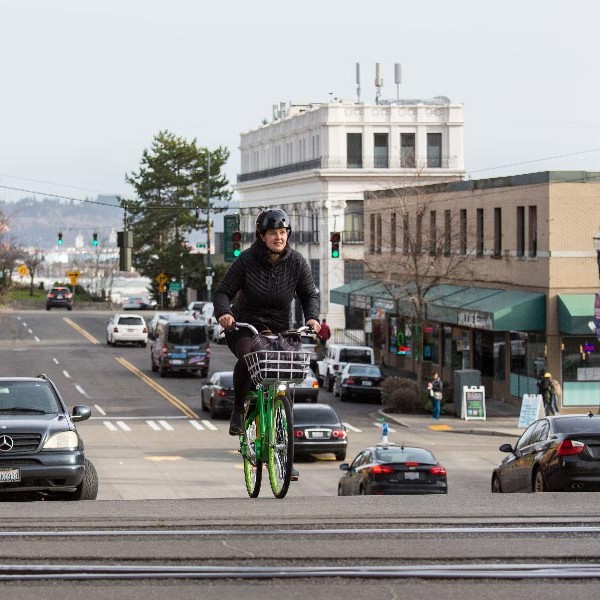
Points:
[[81, 330], [80, 390], [110, 426], [55, 361], [352, 428], [153, 425], [66, 374], [31, 332], [100, 410], [197, 425], [176, 402], [123, 426], [209, 425], [36, 338], [161, 458], [166, 425]]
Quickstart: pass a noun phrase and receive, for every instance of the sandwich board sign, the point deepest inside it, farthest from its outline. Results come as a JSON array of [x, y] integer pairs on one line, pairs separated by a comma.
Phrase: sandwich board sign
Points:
[[532, 409], [473, 403]]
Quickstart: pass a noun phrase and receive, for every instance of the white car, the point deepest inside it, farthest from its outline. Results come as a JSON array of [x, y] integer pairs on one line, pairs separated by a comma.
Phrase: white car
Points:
[[127, 329], [153, 322]]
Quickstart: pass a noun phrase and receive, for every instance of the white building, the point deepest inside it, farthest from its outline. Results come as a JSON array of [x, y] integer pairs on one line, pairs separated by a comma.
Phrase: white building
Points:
[[316, 160]]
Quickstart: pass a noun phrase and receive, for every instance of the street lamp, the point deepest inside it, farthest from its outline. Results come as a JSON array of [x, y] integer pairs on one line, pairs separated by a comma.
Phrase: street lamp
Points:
[[596, 239]]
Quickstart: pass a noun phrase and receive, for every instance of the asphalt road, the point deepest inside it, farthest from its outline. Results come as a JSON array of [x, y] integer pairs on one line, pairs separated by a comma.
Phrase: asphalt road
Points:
[[172, 497]]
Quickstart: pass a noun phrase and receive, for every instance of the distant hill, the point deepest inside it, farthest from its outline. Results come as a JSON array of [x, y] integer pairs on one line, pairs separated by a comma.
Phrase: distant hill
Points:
[[36, 223]]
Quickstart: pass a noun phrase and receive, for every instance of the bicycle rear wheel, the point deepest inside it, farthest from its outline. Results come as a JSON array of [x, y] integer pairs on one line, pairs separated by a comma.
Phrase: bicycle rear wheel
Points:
[[252, 466], [281, 447]]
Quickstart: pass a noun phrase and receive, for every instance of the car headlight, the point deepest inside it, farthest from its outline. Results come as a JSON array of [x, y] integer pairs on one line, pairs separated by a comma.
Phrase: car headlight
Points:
[[64, 440]]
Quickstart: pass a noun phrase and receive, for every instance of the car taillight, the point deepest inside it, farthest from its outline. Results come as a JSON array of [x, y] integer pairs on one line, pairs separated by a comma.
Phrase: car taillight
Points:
[[222, 393], [298, 433], [144, 330], [338, 434], [165, 350], [115, 329], [570, 447], [382, 469], [411, 464], [437, 470], [207, 351], [68, 295], [350, 381], [336, 367], [315, 384]]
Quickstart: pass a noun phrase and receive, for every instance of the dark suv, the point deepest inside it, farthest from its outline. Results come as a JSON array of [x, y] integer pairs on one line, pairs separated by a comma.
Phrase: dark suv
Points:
[[41, 452], [59, 297]]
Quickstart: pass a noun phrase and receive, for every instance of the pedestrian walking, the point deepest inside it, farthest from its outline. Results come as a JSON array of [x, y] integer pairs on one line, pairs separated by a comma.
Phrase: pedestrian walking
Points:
[[556, 398], [435, 394], [324, 333], [547, 391]]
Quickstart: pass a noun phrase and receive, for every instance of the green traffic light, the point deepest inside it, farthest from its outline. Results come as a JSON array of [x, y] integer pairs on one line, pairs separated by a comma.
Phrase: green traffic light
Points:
[[237, 252], [335, 254]]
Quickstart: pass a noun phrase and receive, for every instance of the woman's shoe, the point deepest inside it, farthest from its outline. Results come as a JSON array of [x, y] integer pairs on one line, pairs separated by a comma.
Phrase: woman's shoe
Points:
[[236, 423], [295, 474]]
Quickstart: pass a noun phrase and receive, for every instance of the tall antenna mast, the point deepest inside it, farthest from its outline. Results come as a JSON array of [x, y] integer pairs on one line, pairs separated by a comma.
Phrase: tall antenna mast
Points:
[[378, 82], [397, 79], [358, 82]]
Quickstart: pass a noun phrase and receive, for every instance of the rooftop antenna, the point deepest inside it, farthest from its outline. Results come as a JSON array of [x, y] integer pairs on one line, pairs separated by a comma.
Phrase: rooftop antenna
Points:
[[378, 82], [397, 80], [358, 82]]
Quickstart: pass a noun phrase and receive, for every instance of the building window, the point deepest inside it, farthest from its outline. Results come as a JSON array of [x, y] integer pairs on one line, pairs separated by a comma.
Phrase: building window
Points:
[[393, 240], [353, 226], [479, 249], [520, 231], [315, 269], [419, 235], [463, 230], [532, 231], [405, 233], [372, 234], [379, 235], [434, 150], [354, 150], [447, 232], [497, 232], [353, 270], [380, 151], [432, 233], [314, 222], [407, 150]]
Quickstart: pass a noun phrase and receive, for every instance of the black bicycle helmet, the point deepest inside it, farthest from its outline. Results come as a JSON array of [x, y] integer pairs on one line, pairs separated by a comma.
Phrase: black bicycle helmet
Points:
[[274, 218]]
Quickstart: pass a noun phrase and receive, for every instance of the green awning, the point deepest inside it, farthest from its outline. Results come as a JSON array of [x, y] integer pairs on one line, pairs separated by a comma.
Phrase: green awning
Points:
[[341, 295], [575, 311]]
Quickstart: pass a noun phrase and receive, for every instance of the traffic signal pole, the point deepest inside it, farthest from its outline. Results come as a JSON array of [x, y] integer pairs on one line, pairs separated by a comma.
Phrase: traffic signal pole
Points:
[[208, 232]]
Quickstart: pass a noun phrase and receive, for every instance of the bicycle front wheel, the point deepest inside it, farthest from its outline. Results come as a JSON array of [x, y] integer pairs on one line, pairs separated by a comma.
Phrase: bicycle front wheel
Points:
[[251, 453], [281, 447]]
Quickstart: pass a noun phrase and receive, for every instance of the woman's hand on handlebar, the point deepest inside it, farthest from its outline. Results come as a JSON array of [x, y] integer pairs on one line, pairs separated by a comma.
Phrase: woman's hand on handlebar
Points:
[[314, 324], [227, 321]]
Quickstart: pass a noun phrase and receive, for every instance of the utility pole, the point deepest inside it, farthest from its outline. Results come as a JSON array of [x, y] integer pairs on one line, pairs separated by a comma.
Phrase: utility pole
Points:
[[208, 232]]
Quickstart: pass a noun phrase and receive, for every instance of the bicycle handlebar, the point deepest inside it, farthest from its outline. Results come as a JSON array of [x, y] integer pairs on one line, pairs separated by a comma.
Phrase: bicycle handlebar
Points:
[[256, 332]]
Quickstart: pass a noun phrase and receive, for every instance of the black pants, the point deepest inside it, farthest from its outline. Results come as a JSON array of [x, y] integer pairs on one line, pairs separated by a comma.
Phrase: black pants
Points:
[[239, 343]]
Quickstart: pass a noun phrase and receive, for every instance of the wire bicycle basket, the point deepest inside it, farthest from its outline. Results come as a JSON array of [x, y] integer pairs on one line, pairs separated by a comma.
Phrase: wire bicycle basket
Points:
[[269, 366]]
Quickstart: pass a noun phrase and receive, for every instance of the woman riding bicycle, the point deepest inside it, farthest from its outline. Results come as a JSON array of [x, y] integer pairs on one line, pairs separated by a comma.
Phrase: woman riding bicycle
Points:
[[258, 289]]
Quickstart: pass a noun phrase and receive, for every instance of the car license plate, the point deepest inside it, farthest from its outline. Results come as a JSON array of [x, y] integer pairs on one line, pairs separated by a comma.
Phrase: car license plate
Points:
[[411, 475], [10, 475], [177, 361], [367, 383], [317, 434]]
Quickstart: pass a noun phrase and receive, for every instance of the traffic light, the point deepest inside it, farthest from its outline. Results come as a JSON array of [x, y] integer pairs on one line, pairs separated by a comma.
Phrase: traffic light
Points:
[[59, 241], [94, 239], [125, 243], [335, 244], [236, 243]]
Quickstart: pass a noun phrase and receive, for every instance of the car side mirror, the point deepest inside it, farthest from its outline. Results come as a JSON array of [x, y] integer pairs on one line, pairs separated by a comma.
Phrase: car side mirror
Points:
[[506, 448], [81, 413], [344, 467]]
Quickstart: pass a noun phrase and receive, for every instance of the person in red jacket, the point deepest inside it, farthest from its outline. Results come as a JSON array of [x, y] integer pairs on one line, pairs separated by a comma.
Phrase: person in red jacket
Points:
[[324, 332]]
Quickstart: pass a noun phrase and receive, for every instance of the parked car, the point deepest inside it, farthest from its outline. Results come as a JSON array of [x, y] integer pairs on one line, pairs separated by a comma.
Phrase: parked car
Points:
[[41, 451], [181, 345], [138, 303], [59, 297], [336, 357], [153, 322], [203, 311], [307, 390], [555, 454], [127, 329], [358, 381], [318, 429], [217, 395], [388, 469]]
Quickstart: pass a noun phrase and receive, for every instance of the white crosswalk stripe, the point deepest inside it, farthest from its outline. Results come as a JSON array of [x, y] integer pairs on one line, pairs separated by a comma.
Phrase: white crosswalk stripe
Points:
[[209, 425], [123, 426], [197, 425], [153, 425], [352, 428], [110, 426], [166, 425]]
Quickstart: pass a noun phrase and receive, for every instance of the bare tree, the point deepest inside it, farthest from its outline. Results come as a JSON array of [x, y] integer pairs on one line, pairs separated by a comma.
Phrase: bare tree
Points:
[[10, 253], [32, 261], [416, 239]]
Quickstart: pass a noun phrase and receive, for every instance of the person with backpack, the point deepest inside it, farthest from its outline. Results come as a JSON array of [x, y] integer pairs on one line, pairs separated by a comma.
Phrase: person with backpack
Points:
[[547, 391]]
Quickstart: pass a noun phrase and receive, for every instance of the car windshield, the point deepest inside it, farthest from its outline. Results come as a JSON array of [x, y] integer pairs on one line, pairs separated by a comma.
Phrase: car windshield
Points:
[[404, 455], [368, 371], [227, 380], [27, 397], [577, 424], [315, 416], [130, 321], [355, 355], [187, 335]]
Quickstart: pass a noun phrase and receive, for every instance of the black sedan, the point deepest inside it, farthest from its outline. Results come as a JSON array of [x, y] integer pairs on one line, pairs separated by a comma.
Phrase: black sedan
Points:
[[317, 430], [217, 395], [387, 469], [555, 454], [41, 451], [358, 381]]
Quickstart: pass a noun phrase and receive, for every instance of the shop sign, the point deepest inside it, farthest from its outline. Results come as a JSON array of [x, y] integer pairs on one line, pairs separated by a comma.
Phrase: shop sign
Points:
[[359, 301], [473, 403], [387, 305], [377, 313], [476, 319]]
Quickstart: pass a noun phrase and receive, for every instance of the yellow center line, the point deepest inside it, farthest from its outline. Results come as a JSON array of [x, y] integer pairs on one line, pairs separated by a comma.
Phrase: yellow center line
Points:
[[176, 402], [82, 331]]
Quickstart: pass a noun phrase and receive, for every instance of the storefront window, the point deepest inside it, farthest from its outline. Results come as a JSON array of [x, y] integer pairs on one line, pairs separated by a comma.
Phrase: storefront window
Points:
[[527, 359], [447, 346], [461, 349], [499, 356], [580, 371], [483, 356], [431, 343]]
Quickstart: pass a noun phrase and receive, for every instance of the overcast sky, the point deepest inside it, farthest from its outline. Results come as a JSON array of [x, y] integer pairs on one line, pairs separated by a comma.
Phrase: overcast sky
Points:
[[86, 84]]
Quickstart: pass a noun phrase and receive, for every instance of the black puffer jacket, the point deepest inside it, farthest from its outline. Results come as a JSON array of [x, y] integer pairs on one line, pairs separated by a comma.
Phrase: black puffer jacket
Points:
[[262, 292]]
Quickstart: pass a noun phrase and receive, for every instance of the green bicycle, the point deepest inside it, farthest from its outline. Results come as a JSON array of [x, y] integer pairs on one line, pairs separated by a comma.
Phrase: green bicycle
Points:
[[269, 437]]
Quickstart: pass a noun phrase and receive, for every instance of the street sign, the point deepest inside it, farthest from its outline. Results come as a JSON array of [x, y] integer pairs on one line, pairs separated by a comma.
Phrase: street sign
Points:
[[161, 279], [174, 286], [73, 273], [23, 270]]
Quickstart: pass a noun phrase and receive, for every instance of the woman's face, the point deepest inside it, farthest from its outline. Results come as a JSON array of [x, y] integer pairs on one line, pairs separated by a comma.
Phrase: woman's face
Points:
[[275, 239]]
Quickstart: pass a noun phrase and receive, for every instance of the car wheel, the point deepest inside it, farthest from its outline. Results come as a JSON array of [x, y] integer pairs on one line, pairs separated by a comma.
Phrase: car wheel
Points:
[[496, 486], [69, 308], [340, 490], [143, 344], [340, 455], [163, 371], [47, 308], [204, 373], [343, 397], [88, 488], [212, 412], [153, 366], [539, 484], [329, 383], [362, 491], [107, 341]]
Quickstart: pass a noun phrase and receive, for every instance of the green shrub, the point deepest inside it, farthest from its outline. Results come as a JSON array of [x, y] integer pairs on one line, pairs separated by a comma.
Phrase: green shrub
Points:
[[403, 395]]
